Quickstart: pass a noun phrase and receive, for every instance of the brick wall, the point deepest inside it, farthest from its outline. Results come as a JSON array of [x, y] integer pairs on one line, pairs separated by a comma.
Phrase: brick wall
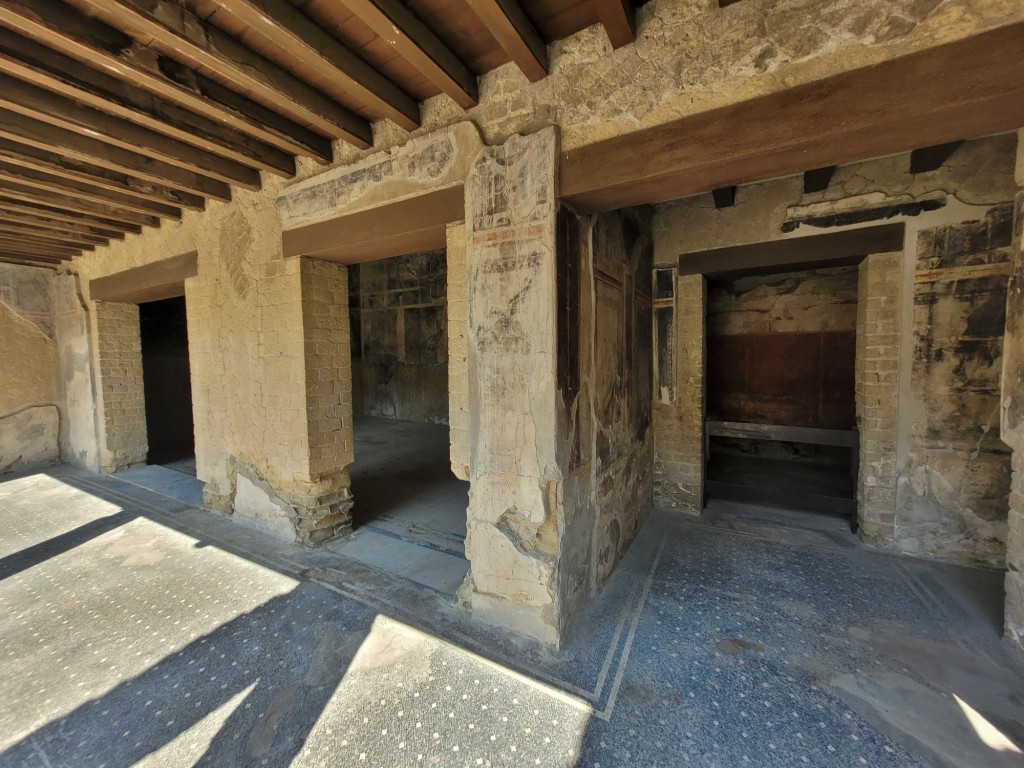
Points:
[[877, 388], [122, 401], [679, 425], [458, 350]]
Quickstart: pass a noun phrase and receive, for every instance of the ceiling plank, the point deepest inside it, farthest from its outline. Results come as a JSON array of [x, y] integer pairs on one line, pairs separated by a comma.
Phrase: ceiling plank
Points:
[[511, 27], [41, 231], [99, 45], [41, 104], [44, 67], [186, 38], [45, 181], [50, 137], [288, 27], [23, 246], [29, 261], [52, 163], [35, 238], [974, 87], [54, 222], [27, 194], [415, 42], [618, 19]]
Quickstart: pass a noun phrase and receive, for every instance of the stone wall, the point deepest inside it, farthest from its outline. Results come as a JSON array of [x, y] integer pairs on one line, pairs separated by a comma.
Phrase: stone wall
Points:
[[934, 322], [117, 361], [29, 375], [400, 368]]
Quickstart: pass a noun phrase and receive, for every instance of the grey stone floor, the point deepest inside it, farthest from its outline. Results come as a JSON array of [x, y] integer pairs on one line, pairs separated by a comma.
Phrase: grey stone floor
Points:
[[137, 630]]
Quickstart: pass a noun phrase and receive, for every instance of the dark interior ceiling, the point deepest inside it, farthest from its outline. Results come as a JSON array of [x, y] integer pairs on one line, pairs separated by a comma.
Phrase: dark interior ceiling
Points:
[[116, 114]]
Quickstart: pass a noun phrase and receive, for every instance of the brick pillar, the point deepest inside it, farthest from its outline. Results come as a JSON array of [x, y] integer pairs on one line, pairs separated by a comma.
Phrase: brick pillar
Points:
[[458, 351], [679, 424], [515, 516], [122, 400], [877, 390]]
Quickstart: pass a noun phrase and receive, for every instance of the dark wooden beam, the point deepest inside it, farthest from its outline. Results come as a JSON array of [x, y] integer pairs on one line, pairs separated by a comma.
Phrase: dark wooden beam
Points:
[[926, 159], [67, 203], [29, 261], [415, 42], [42, 232], [725, 197], [512, 28], [281, 22], [42, 135], [163, 279], [37, 159], [818, 179], [409, 226], [40, 104], [47, 236], [618, 19], [973, 87], [73, 33], [51, 222], [44, 181], [21, 245], [184, 37], [792, 253], [57, 247], [724, 3]]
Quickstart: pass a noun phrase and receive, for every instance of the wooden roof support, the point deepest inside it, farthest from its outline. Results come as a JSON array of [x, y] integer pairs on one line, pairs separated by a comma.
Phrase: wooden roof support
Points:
[[23, 246], [26, 156], [42, 66], [14, 211], [45, 181], [186, 38], [511, 27], [618, 19], [60, 202], [40, 104], [40, 239], [42, 231], [282, 23], [415, 42], [30, 261], [99, 45], [81, 147], [973, 87]]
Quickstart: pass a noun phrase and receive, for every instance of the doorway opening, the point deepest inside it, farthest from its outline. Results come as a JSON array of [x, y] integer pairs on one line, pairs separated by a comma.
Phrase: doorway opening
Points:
[[781, 423], [167, 384], [410, 509]]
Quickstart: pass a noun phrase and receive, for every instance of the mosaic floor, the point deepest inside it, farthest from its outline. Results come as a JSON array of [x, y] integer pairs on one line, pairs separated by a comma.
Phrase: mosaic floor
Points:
[[138, 630]]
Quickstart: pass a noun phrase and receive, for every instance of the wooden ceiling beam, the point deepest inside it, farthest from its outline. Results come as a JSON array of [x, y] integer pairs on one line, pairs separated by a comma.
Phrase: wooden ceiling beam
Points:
[[618, 18], [23, 246], [285, 25], [184, 37], [28, 194], [41, 231], [29, 261], [973, 87], [89, 40], [36, 133], [26, 156], [415, 42], [37, 238], [518, 37], [45, 181], [49, 69], [41, 104], [11, 211]]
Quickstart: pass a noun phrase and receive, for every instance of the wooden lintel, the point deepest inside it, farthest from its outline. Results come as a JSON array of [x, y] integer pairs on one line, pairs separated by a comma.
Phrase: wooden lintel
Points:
[[164, 279], [840, 438], [725, 197], [618, 19], [973, 87], [817, 180], [512, 28], [408, 226], [927, 159], [792, 253]]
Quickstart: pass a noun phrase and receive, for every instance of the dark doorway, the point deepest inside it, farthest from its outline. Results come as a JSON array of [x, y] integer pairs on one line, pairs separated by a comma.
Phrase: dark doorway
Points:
[[167, 381]]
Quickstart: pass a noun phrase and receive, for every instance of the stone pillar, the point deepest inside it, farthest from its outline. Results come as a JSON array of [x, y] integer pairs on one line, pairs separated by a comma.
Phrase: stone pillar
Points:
[[515, 518], [72, 323], [122, 400], [458, 350], [679, 432], [877, 391]]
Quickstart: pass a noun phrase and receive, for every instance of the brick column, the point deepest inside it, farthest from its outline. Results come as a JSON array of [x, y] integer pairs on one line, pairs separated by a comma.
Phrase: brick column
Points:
[[122, 400], [679, 425], [877, 389]]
